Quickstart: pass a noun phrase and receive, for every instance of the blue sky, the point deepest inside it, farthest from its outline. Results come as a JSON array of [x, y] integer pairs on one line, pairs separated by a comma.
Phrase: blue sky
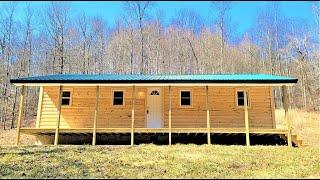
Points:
[[243, 14]]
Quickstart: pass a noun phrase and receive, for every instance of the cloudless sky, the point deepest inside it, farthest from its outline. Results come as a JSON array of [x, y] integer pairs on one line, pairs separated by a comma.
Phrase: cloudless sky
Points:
[[243, 14]]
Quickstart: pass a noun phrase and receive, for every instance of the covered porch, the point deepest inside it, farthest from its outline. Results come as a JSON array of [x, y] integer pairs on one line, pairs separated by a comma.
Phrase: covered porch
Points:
[[133, 130]]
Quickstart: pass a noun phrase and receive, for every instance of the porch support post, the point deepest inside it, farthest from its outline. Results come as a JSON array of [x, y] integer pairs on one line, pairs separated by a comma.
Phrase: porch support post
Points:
[[132, 114], [21, 108], [94, 134], [39, 111], [208, 115], [56, 136], [246, 117], [170, 123], [285, 100]]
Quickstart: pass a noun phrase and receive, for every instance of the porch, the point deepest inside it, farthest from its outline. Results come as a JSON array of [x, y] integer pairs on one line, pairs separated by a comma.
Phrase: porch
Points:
[[122, 136], [133, 128], [95, 130]]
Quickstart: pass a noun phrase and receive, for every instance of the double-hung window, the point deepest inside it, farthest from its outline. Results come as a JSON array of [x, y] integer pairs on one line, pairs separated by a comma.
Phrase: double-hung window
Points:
[[66, 98]]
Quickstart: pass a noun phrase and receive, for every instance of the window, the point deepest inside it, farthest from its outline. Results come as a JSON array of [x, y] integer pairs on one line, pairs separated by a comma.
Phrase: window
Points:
[[117, 97], [66, 97], [185, 98], [240, 95]]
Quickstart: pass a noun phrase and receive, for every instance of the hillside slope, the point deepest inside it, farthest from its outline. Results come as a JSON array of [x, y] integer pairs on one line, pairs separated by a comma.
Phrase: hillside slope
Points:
[[150, 161]]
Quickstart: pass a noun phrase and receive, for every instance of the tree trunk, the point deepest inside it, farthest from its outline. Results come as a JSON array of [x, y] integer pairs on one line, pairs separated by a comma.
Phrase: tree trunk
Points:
[[221, 49], [13, 109]]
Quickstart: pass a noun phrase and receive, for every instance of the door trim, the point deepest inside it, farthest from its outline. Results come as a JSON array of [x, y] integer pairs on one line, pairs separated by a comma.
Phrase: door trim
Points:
[[162, 105]]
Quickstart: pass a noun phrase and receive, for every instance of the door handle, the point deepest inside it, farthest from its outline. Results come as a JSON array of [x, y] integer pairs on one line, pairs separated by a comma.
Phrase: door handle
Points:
[[147, 111]]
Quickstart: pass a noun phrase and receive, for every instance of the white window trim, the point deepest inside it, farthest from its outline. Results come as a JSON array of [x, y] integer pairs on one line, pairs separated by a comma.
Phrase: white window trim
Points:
[[71, 93], [248, 97]]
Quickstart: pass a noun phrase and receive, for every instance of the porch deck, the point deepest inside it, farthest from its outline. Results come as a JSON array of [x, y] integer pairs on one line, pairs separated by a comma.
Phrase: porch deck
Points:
[[51, 131], [282, 132]]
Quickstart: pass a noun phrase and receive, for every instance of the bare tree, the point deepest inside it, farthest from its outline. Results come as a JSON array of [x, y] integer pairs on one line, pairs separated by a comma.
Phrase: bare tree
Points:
[[26, 55], [139, 11], [58, 16], [86, 37], [316, 12], [192, 23], [222, 8], [188, 19], [7, 52], [99, 42]]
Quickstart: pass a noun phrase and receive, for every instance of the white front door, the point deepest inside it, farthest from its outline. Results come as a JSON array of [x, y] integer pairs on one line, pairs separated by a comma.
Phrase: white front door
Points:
[[154, 108]]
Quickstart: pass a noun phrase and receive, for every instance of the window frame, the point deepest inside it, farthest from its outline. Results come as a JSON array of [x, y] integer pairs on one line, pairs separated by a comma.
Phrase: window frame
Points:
[[70, 98], [123, 98], [248, 98], [191, 98]]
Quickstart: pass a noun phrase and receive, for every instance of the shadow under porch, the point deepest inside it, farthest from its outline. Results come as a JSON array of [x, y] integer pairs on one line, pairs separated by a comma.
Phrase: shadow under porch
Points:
[[160, 136]]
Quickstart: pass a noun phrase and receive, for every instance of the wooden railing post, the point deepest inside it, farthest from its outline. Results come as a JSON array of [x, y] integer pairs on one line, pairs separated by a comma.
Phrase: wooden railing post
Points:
[[21, 109], [132, 114], [246, 117], [285, 100], [170, 123], [94, 134], [56, 136], [208, 115]]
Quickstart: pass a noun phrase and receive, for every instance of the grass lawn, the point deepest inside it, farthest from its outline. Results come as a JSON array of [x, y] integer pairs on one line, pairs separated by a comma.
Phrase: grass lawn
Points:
[[151, 161]]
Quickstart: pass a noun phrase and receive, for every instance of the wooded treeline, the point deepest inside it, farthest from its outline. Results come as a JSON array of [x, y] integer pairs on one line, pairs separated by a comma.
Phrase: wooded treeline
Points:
[[51, 41]]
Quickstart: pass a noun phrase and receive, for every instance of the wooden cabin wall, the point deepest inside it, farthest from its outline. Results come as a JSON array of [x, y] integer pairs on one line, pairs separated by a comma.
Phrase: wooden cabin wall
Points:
[[222, 104], [81, 111], [224, 111]]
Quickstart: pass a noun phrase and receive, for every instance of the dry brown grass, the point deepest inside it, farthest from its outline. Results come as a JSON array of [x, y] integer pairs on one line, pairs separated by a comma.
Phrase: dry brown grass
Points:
[[150, 161], [305, 124], [8, 137]]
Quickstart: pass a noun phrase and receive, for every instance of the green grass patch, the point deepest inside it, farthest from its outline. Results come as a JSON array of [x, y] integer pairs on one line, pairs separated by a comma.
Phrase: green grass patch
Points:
[[151, 161]]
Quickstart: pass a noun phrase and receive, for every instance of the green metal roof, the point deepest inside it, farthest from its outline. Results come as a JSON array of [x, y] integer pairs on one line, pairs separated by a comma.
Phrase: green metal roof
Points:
[[138, 78]]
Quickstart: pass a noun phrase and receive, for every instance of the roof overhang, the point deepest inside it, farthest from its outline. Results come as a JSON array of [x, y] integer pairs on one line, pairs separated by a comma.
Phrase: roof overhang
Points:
[[151, 84], [156, 80]]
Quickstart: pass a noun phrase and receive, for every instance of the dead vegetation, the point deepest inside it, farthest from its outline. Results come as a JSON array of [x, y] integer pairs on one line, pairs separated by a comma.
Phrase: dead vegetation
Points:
[[8, 138], [150, 161], [305, 124]]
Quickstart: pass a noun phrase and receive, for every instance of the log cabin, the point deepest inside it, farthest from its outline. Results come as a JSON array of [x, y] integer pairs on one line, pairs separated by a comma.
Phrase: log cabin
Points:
[[95, 105]]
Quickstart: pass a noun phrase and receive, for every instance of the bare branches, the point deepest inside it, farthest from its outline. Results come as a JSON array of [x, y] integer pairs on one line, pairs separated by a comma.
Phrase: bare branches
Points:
[[189, 20], [222, 7], [139, 11], [58, 16], [316, 12]]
